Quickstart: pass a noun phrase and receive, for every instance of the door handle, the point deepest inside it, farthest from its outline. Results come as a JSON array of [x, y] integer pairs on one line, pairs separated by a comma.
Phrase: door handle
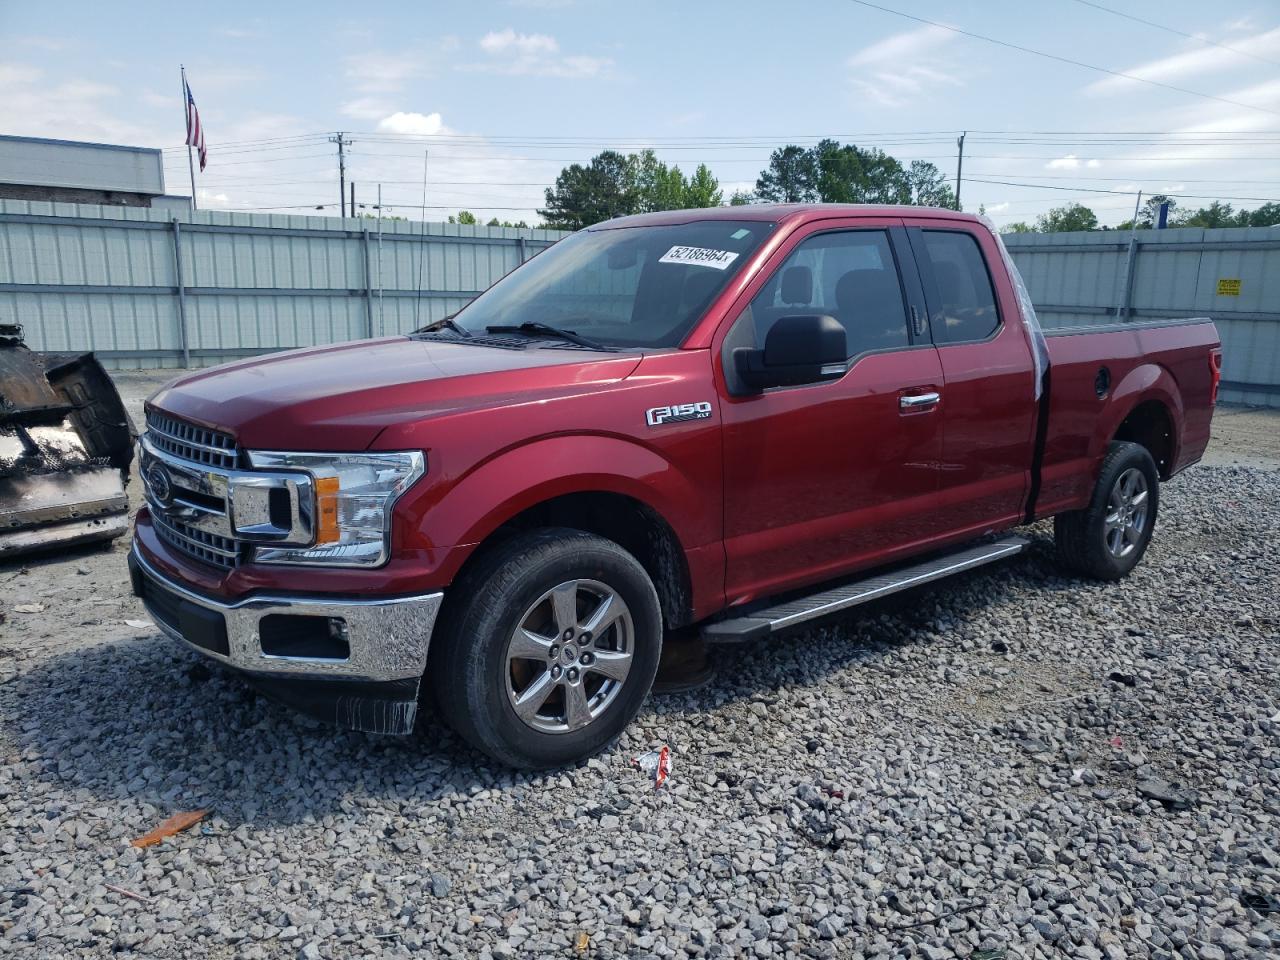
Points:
[[919, 401]]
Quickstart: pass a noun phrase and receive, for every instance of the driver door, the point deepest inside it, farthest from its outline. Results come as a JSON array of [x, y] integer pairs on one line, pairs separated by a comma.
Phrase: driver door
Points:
[[826, 478]]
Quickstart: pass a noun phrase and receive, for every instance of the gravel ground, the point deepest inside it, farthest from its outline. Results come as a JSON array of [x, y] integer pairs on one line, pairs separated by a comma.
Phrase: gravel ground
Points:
[[1015, 764]]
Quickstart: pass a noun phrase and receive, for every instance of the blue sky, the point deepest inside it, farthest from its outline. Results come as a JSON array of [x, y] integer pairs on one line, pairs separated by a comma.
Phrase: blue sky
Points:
[[502, 94]]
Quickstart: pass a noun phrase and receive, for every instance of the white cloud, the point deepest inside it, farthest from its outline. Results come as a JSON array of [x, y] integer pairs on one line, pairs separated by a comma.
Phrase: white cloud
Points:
[[1193, 62], [413, 124], [891, 51], [524, 44], [1072, 162], [533, 54], [366, 108], [997, 207], [376, 71], [890, 73]]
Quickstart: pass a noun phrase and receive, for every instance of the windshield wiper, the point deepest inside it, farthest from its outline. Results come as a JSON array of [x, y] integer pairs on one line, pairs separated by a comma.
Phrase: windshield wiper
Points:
[[536, 328], [449, 322]]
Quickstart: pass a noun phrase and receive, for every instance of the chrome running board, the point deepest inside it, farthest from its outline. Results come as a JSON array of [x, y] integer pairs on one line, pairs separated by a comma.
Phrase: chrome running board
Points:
[[760, 623]]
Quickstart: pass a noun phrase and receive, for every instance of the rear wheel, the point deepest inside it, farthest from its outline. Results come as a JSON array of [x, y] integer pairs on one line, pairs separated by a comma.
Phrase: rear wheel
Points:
[[1108, 538], [548, 649]]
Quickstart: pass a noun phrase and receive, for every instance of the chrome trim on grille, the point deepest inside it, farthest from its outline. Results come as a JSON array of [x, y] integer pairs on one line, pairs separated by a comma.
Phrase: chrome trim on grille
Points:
[[209, 547], [196, 444]]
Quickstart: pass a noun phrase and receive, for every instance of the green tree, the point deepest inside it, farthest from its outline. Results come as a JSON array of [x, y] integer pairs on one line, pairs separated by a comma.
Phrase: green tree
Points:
[[1018, 226], [657, 186], [832, 172], [702, 189], [791, 177], [742, 198], [929, 187], [603, 189], [1216, 214], [465, 217], [1267, 215], [884, 179], [1074, 216], [495, 222]]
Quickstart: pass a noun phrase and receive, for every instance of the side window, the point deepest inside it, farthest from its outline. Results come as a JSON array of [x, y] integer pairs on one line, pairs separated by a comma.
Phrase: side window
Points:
[[850, 275], [966, 307]]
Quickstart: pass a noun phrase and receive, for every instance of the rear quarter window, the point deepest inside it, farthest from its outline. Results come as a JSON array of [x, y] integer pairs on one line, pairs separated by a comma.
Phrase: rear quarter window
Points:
[[965, 301]]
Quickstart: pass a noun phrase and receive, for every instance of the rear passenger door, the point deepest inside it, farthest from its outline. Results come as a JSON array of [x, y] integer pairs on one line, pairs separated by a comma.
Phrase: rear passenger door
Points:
[[988, 400], [825, 478]]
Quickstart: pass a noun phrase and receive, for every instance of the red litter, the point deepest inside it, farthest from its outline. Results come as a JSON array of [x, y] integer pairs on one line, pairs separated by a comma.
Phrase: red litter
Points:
[[656, 764]]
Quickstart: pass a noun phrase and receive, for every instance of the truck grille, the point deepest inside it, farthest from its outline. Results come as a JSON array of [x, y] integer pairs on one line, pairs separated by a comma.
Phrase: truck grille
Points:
[[217, 551], [210, 448], [211, 452]]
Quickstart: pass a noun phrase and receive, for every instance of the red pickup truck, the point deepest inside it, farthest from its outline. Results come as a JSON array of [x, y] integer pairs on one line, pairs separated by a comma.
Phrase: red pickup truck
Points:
[[732, 420]]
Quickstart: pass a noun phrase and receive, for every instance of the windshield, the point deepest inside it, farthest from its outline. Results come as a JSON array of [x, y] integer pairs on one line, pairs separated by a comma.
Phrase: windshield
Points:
[[623, 287]]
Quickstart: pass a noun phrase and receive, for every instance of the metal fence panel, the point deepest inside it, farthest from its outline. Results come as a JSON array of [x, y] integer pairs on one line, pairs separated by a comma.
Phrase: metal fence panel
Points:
[[1078, 278], [82, 277]]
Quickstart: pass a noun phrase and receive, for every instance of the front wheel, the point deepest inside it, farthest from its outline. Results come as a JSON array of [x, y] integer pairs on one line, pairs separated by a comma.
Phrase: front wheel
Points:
[[1108, 538], [548, 649]]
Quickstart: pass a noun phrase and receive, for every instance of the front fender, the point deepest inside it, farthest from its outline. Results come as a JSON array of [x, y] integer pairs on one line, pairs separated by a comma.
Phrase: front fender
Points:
[[532, 473]]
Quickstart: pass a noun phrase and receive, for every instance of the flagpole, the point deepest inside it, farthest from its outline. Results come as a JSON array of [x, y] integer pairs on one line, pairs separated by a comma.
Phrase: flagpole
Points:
[[186, 109]]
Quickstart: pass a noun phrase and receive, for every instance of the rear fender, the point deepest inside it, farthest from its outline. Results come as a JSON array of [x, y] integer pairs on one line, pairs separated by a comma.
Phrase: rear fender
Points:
[[1147, 381]]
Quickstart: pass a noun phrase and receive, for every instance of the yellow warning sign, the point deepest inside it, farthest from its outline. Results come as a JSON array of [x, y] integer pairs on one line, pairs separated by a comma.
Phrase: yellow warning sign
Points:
[[1228, 286]]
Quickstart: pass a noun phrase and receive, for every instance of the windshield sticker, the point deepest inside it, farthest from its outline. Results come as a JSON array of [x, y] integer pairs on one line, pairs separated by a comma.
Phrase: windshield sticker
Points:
[[739, 234], [699, 256]]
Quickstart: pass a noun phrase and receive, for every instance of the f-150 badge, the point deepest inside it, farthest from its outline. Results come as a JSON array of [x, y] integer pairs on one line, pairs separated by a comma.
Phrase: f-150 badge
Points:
[[677, 413]]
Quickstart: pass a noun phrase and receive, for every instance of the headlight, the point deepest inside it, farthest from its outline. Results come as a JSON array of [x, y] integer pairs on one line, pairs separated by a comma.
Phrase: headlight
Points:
[[354, 494]]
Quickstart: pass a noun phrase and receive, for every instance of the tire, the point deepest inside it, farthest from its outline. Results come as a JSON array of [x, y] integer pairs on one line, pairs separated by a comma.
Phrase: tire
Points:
[[1108, 538], [503, 645]]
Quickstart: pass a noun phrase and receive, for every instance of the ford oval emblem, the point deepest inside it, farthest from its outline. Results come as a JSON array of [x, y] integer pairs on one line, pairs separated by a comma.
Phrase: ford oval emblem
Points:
[[159, 483]]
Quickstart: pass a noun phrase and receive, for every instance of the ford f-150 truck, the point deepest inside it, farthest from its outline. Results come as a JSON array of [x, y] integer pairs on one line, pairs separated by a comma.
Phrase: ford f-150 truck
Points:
[[732, 420]]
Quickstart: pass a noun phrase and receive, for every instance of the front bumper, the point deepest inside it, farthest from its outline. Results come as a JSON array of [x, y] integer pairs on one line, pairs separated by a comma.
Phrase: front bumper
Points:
[[355, 662]]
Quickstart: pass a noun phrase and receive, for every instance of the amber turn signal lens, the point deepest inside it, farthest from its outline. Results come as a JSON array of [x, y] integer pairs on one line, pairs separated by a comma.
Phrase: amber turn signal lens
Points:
[[327, 510]]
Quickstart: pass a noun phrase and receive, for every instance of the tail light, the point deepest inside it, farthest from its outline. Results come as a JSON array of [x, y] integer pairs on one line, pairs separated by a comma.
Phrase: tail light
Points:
[[1215, 373]]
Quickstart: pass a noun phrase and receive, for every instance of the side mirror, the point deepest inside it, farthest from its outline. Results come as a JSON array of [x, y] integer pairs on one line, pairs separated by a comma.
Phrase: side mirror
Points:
[[798, 349]]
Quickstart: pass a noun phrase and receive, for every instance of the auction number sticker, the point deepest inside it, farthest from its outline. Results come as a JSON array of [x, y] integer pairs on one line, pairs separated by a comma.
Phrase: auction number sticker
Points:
[[1228, 286], [701, 256]]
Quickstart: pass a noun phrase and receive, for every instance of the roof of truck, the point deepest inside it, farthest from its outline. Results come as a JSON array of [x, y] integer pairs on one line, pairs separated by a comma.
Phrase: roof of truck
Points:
[[775, 212]]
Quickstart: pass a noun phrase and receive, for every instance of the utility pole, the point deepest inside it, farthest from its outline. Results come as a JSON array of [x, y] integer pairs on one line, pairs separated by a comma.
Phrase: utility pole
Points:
[[959, 166], [341, 140], [353, 200]]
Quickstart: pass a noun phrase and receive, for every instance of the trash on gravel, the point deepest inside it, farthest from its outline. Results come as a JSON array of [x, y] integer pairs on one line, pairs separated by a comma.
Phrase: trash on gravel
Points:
[[175, 824], [28, 608], [1117, 742], [999, 646], [1128, 679], [1263, 903], [138, 624], [582, 942], [1171, 795], [127, 893], [656, 765]]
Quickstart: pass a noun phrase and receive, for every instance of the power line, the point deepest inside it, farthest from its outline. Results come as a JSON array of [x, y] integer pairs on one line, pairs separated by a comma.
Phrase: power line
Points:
[[1060, 59], [1127, 193], [1180, 33]]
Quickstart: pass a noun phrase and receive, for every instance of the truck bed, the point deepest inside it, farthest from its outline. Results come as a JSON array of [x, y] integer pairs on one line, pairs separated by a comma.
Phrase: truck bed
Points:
[[1169, 356]]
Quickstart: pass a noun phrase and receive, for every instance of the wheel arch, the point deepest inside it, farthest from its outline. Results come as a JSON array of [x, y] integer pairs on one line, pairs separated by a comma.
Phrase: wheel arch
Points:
[[1146, 409]]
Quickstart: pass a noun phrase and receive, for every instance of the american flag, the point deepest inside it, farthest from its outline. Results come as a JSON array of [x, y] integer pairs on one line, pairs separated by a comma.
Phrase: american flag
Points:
[[195, 132]]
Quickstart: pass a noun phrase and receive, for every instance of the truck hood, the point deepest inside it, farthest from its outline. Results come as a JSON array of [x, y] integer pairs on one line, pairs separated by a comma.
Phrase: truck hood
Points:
[[341, 397]]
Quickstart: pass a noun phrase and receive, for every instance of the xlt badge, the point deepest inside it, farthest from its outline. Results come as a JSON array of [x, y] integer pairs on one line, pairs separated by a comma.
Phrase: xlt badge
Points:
[[677, 413]]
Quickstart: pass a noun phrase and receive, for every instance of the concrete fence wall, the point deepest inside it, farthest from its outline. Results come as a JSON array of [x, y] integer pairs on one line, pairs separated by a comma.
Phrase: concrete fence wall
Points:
[[146, 288]]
